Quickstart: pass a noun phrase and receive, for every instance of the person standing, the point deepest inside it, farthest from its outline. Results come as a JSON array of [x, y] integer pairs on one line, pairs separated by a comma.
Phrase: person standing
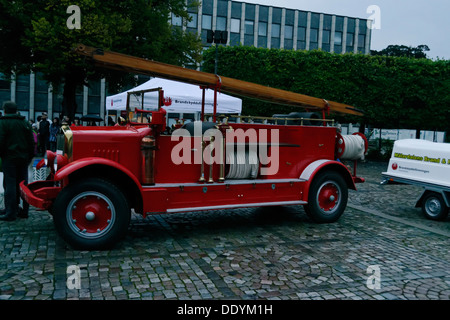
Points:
[[36, 137], [16, 151], [54, 129], [44, 133]]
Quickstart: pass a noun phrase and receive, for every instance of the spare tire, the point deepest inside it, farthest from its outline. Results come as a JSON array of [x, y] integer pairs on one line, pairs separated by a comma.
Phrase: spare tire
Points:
[[311, 118], [204, 125]]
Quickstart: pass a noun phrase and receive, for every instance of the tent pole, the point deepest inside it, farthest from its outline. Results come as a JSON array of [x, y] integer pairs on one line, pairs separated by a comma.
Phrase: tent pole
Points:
[[203, 104], [215, 104]]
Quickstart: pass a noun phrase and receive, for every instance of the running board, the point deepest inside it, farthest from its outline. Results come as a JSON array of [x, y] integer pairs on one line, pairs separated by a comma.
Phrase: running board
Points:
[[235, 206], [226, 182]]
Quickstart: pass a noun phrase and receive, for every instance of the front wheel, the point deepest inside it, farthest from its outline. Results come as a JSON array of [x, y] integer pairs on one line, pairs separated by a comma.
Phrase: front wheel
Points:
[[327, 197], [92, 214], [434, 207]]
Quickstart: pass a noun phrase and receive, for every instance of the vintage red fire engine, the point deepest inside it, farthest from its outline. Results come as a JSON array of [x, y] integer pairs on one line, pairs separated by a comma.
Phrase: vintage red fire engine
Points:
[[100, 174]]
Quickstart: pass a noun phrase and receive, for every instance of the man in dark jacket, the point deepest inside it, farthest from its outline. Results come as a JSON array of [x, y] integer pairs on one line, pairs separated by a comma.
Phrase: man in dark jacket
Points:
[[44, 133], [16, 151]]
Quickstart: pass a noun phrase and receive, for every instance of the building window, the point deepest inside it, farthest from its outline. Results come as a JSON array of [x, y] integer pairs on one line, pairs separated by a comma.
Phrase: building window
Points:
[[79, 100], [301, 38], [326, 36], [249, 27], [4, 82], [5, 87], [94, 97], [276, 28], [41, 94], [302, 19], [177, 21], [276, 15], [290, 17], [289, 32], [23, 92], [314, 36], [221, 24], [301, 34], [222, 8], [262, 42], [235, 25], [58, 98], [207, 7], [249, 32], [361, 41], [363, 26], [262, 29], [350, 39], [236, 9], [263, 14], [315, 21], [340, 24], [193, 22], [250, 11], [262, 34], [338, 38], [362, 36], [206, 22], [235, 37], [288, 37], [327, 22], [351, 25]]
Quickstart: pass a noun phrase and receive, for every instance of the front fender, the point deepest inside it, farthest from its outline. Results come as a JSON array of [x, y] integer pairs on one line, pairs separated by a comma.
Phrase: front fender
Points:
[[320, 165], [86, 162]]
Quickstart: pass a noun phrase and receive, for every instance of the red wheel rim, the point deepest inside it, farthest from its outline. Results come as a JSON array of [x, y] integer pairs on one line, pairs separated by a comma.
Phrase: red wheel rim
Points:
[[90, 214], [328, 197]]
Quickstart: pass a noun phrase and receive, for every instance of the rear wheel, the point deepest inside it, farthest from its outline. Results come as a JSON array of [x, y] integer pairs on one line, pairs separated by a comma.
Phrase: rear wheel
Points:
[[327, 197], [92, 214], [434, 207]]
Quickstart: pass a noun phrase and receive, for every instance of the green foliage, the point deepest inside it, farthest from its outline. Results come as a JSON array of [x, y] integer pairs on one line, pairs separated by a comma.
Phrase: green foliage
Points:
[[403, 51], [394, 92], [380, 151], [36, 37]]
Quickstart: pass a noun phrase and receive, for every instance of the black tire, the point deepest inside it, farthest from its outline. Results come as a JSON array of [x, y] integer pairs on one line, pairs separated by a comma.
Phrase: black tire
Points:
[[91, 214], [434, 207], [327, 198]]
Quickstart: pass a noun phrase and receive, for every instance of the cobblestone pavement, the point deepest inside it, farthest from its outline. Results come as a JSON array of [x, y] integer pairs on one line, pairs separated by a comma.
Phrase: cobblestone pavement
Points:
[[258, 253]]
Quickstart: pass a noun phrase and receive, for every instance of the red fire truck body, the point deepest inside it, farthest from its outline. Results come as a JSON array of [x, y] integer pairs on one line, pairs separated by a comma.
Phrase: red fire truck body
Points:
[[102, 173]]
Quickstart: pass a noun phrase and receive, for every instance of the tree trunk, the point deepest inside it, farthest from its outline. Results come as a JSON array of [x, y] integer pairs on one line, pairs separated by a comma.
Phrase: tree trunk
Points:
[[69, 103], [362, 127], [417, 133]]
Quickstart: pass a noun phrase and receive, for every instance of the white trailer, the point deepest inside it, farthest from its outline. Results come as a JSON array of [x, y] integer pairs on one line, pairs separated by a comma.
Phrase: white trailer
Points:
[[426, 164]]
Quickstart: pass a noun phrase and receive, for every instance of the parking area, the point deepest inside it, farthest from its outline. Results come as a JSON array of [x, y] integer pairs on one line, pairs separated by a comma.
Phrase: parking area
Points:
[[381, 248]]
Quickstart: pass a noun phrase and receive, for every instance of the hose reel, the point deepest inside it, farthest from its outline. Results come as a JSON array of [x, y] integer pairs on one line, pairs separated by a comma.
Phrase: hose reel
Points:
[[352, 147], [242, 164]]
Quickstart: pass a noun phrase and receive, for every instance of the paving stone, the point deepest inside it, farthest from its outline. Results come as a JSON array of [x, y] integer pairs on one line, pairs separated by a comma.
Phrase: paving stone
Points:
[[248, 254]]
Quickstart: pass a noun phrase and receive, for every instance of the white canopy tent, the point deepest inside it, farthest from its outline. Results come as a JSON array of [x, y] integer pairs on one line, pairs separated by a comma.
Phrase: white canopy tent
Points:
[[183, 97]]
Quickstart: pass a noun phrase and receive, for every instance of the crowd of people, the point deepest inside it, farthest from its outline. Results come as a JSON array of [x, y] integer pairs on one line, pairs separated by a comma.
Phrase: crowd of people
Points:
[[45, 132]]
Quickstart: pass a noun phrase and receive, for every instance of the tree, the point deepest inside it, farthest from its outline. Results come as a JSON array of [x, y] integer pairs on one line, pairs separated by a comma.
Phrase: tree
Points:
[[40, 36], [403, 51]]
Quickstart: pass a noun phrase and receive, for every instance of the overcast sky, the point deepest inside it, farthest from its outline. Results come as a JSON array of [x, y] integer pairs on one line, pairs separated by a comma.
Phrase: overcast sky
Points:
[[403, 22]]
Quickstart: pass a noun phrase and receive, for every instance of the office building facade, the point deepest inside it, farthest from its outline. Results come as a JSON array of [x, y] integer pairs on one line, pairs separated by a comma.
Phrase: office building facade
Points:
[[282, 28], [245, 23]]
